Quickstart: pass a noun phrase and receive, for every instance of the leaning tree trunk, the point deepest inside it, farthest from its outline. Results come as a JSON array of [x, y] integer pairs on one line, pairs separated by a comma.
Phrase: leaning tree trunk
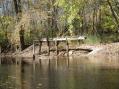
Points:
[[113, 12]]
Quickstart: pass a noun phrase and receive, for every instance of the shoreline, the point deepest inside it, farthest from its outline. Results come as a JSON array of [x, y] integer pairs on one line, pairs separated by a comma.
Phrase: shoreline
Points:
[[105, 56], [111, 49]]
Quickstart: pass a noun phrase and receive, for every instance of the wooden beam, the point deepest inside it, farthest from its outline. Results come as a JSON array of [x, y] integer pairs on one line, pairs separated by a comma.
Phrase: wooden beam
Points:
[[64, 38]]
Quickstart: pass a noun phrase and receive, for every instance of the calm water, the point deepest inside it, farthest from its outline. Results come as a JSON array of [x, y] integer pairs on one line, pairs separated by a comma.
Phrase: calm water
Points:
[[58, 74]]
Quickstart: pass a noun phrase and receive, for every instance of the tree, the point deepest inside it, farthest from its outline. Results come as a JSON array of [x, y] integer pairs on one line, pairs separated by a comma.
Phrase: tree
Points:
[[113, 12], [18, 10]]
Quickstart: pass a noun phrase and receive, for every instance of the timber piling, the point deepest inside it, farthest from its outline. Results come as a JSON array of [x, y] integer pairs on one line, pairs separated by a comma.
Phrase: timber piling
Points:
[[57, 42]]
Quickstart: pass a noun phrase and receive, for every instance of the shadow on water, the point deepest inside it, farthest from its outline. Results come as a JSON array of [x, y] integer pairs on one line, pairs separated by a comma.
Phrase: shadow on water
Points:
[[59, 73]]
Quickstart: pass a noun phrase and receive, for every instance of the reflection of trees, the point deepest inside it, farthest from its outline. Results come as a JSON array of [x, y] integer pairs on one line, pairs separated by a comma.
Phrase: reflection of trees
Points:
[[9, 75], [55, 74]]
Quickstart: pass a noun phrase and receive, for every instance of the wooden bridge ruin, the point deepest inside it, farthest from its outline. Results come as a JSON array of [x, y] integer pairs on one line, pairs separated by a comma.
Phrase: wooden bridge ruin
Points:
[[57, 41]]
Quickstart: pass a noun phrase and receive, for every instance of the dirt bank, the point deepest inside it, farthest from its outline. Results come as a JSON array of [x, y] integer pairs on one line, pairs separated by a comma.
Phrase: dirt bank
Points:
[[98, 50]]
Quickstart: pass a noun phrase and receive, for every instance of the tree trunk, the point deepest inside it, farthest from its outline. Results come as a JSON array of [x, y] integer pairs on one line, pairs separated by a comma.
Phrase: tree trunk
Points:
[[94, 30], [113, 12], [18, 10], [53, 20], [16, 6], [22, 43]]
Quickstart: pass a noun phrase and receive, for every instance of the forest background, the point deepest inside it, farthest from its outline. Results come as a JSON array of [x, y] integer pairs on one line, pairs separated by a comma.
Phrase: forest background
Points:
[[22, 21]]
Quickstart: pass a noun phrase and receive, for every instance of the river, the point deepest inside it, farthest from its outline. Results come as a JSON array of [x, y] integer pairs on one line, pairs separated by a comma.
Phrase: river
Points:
[[57, 74]]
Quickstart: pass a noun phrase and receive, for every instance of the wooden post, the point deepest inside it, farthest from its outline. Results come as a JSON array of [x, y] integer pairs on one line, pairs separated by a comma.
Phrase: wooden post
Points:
[[0, 50], [79, 42], [56, 45], [40, 45], [33, 50], [40, 61], [67, 47], [0, 60], [48, 44]]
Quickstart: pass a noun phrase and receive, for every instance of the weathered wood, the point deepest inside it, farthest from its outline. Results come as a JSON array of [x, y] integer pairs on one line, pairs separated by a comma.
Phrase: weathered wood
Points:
[[56, 40], [0, 50], [48, 44], [80, 42], [56, 45], [64, 38], [40, 45], [0, 60], [67, 47], [33, 50]]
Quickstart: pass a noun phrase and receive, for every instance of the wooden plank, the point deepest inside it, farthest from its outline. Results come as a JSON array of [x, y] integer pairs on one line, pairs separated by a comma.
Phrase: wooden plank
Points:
[[64, 38], [69, 38]]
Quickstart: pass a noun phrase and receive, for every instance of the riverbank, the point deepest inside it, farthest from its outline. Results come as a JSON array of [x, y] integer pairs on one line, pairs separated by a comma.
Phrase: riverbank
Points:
[[104, 55], [96, 50]]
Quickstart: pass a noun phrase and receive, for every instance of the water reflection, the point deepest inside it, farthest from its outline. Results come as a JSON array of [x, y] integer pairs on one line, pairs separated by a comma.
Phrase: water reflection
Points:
[[78, 73]]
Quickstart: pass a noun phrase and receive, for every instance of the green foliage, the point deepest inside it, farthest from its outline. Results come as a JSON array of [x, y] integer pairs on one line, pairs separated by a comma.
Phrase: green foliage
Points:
[[5, 21], [6, 27], [51, 18], [71, 10], [3, 40], [108, 23], [92, 39]]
